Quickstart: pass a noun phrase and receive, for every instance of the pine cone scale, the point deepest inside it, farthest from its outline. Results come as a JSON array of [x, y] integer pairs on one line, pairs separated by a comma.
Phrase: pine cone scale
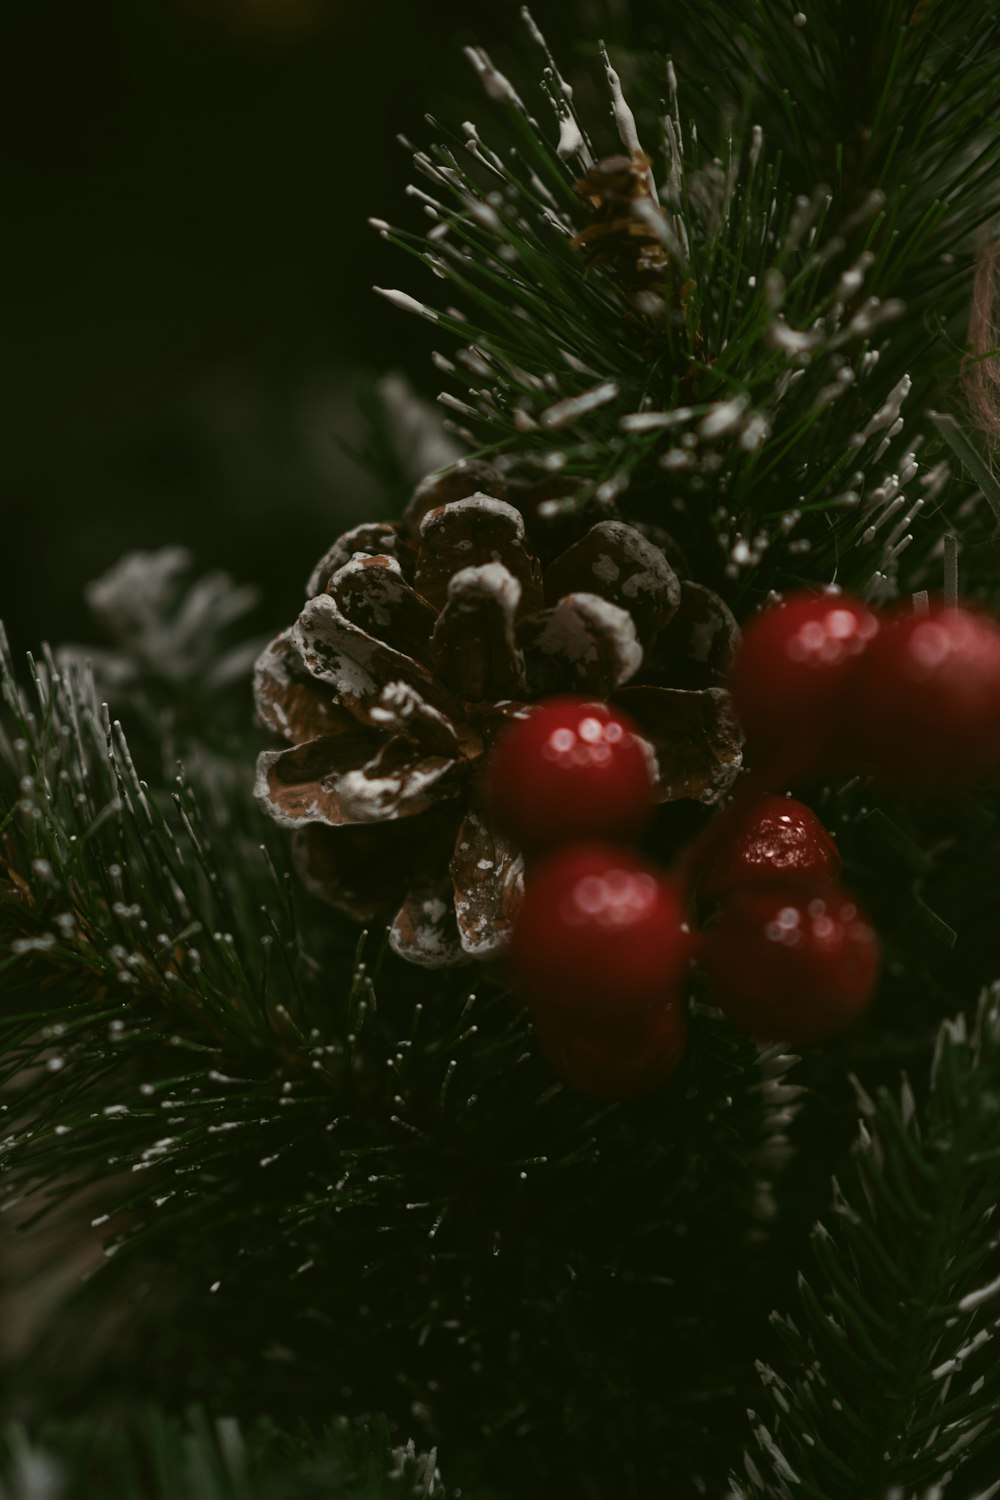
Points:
[[696, 647], [583, 644], [695, 738], [301, 785], [399, 781], [425, 929], [474, 647], [616, 562], [371, 592], [400, 709], [374, 539], [288, 700], [355, 664], [468, 534], [487, 873]]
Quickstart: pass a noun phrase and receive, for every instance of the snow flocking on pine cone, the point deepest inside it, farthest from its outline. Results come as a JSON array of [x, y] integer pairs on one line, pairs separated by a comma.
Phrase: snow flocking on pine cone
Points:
[[419, 641]]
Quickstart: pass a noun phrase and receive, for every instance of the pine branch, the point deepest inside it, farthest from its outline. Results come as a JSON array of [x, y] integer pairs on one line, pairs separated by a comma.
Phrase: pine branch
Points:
[[869, 97], [761, 386], [164, 1458], [118, 894], [894, 1387], [355, 1158], [175, 646], [757, 350]]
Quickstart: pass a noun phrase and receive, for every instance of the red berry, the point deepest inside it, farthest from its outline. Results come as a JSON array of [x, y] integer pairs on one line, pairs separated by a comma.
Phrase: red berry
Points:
[[608, 1064], [778, 837], [571, 769], [926, 702], [601, 938], [793, 674], [793, 961]]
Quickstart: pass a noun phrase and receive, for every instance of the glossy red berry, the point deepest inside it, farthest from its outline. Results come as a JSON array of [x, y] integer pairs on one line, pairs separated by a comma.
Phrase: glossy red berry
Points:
[[601, 938], [607, 1063], [776, 838], [793, 674], [926, 703], [791, 961], [570, 769]]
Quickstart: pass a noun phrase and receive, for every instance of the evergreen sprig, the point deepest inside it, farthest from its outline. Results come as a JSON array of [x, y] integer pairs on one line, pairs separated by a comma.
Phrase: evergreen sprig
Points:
[[162, 1457], [893, 98], [324, 1183], [188, 1050], [891, 1385], [716, 408]]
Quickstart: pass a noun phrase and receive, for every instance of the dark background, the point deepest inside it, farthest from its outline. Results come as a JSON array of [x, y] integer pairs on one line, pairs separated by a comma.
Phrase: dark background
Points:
[[187, 307]]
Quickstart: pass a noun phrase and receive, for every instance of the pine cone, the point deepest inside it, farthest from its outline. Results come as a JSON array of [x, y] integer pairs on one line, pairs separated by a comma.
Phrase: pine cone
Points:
[[617, 192], [419, 641]]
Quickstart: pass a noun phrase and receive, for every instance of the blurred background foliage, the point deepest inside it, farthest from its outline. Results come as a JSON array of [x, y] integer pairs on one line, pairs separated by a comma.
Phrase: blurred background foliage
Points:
[[188, 316]]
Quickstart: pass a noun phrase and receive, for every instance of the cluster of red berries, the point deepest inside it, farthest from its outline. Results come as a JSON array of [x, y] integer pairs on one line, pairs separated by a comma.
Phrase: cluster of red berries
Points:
[[604, 943], [824, 681], [605, 940], [601, 945]]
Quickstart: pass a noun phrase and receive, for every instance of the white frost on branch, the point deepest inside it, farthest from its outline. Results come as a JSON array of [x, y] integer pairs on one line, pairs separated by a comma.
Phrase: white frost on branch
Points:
[[497, 85], [624, 118], [562, 413], [405, 302], [977, 1298], [570, 140], [888, 412], [722, 417]]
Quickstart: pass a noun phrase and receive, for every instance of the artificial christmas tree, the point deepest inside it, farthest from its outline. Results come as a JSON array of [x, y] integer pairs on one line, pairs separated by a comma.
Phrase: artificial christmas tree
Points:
[[707, 342]]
